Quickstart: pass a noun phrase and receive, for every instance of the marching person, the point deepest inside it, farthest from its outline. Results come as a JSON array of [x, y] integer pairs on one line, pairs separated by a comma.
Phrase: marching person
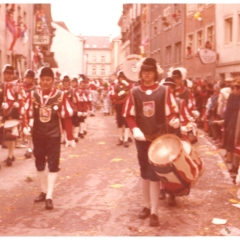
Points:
[[44, 110], [118, 95], [10, 102], [81, 100], [183, 92], [29, 86], [69, 91], [149, 108]]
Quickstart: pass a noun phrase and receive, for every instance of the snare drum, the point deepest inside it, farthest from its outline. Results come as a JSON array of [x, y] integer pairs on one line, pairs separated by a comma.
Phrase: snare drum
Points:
[[175, 168]]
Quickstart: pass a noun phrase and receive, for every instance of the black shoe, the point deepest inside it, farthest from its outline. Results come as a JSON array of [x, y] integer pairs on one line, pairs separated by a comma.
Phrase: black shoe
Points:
[[130, 139], [40, 198], [144, 213], [171, 200], [81, 135], [76, 140], [126, 144], [8, 161], [85, 132], [28, 155], [154, 221], [162, 194], [49, 204], [120, 142]]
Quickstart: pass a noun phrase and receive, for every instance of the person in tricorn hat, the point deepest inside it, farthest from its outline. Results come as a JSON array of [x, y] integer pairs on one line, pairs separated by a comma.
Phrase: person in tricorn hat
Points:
[[181, 91], [45, 108], [118, 95], [11, 104], [146, 112], [29, 86]]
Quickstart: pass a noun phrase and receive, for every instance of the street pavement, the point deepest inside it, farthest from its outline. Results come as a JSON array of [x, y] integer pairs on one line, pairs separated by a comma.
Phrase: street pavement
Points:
[[98, 193]]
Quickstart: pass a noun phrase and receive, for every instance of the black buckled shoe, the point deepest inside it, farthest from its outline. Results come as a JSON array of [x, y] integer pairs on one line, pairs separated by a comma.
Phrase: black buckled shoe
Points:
[[144, 213], [120, 142], [41, 197], [8, 161], [126, 144], [162, 194], [49, 204], [171, 200], [154, 221]]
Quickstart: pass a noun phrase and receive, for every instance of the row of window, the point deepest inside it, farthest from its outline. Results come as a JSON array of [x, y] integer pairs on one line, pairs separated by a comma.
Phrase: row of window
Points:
[[94, 71], [169, 50], [94, 58]]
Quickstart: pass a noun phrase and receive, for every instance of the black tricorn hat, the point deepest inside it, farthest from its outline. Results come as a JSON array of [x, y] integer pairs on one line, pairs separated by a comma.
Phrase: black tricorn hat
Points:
[[30, 73], [169, 81], [46, 71], [176, 73], [149, 64]]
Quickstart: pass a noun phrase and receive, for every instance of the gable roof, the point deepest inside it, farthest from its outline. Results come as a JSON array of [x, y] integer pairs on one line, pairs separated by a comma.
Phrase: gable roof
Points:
[[63, 25], [97, 42]]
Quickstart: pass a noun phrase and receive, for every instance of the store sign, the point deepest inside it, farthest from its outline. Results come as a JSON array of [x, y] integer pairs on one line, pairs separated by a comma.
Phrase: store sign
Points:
[[41, 39], [207, 56]]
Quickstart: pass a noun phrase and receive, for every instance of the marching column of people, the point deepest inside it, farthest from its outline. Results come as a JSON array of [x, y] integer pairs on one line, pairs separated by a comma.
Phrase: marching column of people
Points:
[[143, 109]]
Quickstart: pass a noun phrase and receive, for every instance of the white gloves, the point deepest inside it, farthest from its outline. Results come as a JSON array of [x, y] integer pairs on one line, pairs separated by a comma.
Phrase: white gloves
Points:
[[138, 134], [16, 104], [175, 123], [84, 114], [125, 82], [71, 143], [121, 93], [27, 131], [79, 114], [195, 113], [238, 177], [5, 105]]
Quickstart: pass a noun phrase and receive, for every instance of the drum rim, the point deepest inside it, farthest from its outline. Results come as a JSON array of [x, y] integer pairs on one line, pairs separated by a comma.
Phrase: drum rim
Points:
[[166, 136]]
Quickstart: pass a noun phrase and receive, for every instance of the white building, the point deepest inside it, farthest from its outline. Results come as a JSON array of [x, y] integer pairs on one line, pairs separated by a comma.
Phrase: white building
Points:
[[98, 53], [68, 50], [228, 39]]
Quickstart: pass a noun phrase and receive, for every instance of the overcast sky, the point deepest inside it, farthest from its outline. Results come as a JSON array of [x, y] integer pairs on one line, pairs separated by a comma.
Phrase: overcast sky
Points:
[[89, 17]]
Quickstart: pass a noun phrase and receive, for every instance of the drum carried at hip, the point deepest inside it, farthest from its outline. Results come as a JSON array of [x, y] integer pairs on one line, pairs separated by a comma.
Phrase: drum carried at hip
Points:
[[176, 163]]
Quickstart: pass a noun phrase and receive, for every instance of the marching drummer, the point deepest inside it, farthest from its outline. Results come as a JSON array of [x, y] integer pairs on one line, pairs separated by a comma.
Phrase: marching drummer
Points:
[[10, 102], [148, 110], [45, 109]]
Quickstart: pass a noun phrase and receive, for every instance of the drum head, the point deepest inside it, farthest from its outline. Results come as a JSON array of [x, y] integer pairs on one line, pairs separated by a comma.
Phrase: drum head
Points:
[[186, 146], [11, 123], [164, 149]]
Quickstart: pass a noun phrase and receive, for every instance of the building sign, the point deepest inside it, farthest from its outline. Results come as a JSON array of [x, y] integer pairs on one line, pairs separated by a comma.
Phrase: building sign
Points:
[[207, 56], [41, 39]]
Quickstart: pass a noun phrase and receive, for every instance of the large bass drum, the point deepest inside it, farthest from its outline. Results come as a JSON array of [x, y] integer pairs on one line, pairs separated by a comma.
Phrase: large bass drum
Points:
[[175, 168]]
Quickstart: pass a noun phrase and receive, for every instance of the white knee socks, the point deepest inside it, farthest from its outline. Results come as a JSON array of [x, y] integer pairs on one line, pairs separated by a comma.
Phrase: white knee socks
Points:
[[146, 193], [42, 177], [51, 179], [126, 134], [154, 196]]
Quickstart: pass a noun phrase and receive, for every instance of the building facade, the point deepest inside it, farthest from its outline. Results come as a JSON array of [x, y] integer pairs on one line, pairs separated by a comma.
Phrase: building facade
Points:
[[199, 34], [166, 35], [98, 54], [68, 50], [26, 36], [227, 20]]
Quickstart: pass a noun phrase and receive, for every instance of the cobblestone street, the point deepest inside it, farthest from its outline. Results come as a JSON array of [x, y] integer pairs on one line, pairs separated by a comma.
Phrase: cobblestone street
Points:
[[98, 193]]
